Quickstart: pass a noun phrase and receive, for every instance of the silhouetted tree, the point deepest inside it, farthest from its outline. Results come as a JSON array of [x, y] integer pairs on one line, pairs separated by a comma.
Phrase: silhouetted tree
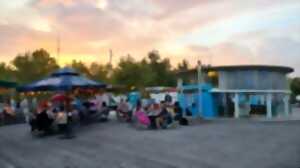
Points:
[[80, 67], [29, 67], [295, 86], [6, 72], [183, 66], [100, 72]]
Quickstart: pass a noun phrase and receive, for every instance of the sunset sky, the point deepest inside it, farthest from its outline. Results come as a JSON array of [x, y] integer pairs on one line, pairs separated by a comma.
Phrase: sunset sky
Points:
[[215, 31]]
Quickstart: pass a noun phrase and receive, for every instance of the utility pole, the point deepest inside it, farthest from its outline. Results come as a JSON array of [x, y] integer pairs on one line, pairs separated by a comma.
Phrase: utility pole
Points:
[[110, 69], [110, 57], [58, 47], [200, 81]]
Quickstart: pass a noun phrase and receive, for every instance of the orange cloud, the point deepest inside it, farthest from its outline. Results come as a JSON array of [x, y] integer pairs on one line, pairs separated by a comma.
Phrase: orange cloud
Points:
[[89, 28]]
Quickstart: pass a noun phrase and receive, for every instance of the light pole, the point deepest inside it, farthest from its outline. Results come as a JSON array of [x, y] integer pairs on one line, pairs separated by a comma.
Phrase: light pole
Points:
[[200, 81]]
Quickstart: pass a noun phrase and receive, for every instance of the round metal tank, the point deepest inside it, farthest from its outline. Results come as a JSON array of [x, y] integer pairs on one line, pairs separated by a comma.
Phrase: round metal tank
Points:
[[252, 77]]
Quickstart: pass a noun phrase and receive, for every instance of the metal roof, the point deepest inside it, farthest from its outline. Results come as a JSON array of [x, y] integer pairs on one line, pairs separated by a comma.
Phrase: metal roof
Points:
[[284, 69], [277, 68]]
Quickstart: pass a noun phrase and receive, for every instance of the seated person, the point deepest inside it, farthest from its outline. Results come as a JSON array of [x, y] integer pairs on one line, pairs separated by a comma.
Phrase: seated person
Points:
[[154, 115], [141, 116], [61, 119], [104, 112], [124, 110], [44, 122], [179, 115], [165, 118], [178, 112], [33, 121]]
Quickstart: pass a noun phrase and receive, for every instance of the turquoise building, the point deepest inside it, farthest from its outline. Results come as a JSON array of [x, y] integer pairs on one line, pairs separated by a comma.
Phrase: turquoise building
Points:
[[235, 91]]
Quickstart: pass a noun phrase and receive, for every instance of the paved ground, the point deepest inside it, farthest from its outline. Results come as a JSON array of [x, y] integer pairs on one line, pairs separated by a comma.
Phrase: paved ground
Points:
[[213, 144]]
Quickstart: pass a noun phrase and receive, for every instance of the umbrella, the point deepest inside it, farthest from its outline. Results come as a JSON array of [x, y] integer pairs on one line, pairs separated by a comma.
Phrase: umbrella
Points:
[[60, 98], [63, 79]]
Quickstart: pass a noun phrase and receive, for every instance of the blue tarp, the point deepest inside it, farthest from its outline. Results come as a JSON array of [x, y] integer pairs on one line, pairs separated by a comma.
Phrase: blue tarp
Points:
[[63, 79]]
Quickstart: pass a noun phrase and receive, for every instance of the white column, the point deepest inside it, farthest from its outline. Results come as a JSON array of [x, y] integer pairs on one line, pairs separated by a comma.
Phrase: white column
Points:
[[236, 106], [286, 101], [269, 105]]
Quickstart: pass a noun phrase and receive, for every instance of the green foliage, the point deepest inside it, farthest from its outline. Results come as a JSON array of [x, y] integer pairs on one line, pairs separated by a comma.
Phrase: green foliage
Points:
[[100, 72], [153, 71], [163, 74], [183, 66], [150, 71], [29, 67], [295, 86], [80, 67], [132, 73], [6, 73]]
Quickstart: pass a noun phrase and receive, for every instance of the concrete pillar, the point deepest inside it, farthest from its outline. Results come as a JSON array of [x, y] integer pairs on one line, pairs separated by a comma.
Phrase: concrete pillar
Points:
[[200, 103], [286, 101], [269, 105], [225, 104], [236, 106]]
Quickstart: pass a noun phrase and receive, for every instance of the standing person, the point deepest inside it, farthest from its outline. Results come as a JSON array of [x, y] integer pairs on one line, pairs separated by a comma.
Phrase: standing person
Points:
[[98, 101], [13, 105], [34, 104], [25, 109]]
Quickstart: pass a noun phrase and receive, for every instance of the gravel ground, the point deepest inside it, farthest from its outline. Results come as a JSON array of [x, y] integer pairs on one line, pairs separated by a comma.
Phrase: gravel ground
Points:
[[208, 144]]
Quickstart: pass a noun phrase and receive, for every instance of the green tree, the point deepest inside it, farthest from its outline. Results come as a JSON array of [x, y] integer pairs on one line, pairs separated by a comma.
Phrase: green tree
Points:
[[295, 86], [132, 73], [6, 72], [29, 67], [154, 56], [183, 66], [80, 67], [163, 74], [100, 72]]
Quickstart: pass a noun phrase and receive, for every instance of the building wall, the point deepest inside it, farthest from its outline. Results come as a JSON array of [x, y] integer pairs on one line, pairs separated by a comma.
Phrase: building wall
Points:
[[253, 80]]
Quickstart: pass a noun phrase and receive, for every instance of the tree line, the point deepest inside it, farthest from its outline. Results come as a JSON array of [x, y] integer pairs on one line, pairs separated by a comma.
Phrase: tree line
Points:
[[150, 71]]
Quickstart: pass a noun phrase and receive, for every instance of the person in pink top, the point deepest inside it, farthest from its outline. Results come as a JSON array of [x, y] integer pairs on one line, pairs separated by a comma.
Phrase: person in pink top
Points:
[[142, 118]]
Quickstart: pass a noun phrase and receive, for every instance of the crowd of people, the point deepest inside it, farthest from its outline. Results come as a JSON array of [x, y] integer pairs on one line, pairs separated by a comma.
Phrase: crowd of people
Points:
[[61, 115], [56, 114], [152, 115], [12, 112]]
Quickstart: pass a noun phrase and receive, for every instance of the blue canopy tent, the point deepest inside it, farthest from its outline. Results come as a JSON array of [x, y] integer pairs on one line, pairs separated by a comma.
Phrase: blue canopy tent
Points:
[[63, 79]]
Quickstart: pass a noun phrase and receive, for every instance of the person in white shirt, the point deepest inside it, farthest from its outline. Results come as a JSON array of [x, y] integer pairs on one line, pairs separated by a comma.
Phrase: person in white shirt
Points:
[[25, 109], [124, 110], [13, 105], [61, 119]]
